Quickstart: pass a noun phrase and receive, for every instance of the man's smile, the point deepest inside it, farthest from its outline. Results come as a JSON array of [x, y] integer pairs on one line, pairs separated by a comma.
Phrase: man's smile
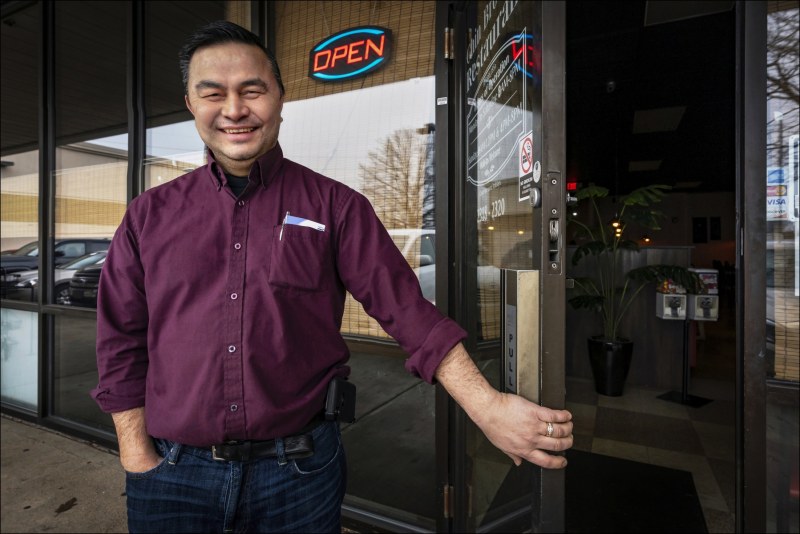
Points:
[[237, 130]]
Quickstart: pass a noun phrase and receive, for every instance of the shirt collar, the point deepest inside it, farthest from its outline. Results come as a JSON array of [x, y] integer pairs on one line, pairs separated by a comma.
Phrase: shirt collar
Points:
[[263, 170]]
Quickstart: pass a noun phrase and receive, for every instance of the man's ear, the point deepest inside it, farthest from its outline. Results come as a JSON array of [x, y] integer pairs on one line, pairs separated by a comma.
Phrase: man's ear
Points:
[[188, 104]]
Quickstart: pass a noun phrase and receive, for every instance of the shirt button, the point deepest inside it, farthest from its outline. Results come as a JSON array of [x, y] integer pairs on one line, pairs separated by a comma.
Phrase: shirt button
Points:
[[232, 348], [241, 202], [234, 407], [234, 296], [237, 246]]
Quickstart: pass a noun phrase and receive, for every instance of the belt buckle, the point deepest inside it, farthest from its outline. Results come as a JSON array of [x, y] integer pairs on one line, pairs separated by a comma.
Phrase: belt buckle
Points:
[[214, 454]]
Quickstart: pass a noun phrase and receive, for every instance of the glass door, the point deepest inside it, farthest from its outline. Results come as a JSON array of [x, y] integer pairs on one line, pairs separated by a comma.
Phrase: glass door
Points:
[[506, 202]]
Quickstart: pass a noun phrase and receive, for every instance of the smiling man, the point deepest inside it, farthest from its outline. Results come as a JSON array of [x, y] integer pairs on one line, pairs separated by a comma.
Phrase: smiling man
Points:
[[219, 315], [236, 115]]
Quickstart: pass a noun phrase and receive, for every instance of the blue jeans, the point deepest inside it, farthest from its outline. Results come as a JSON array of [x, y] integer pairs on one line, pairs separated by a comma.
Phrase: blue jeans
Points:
[[191, 492]]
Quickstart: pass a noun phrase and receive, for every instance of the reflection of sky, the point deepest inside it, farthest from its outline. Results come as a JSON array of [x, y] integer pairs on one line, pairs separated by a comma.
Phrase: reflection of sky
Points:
[[330, 134], [163, 141]]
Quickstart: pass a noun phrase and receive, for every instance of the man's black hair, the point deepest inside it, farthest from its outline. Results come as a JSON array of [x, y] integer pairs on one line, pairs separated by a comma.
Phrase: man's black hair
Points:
[[222, 31]]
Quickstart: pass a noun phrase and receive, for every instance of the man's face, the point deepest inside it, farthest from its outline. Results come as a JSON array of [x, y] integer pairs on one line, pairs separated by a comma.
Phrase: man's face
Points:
[[236, 103]]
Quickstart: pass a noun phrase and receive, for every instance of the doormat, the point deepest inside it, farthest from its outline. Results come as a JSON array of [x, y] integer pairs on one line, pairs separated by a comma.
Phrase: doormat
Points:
[[606, 494]]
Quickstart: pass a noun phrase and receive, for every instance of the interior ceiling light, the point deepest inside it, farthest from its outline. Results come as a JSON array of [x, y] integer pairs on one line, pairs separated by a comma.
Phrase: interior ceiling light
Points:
[[657, 120], [637, 166]]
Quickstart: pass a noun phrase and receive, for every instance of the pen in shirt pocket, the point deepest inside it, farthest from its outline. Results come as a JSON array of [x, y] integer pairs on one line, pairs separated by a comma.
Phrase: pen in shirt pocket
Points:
[[283, 225]]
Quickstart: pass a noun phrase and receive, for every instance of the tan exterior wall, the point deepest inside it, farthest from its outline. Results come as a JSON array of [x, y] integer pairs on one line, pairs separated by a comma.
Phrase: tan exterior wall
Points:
[[301, 25]]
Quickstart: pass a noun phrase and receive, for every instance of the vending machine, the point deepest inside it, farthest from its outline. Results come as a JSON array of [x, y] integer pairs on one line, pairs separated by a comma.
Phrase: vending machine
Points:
[[705, 306]]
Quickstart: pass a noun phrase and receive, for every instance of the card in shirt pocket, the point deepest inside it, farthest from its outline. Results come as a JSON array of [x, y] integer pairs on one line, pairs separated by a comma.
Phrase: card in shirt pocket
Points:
[[300, 258]]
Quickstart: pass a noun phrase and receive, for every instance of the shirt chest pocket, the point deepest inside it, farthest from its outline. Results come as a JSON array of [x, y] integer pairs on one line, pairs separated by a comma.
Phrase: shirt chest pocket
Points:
[[300, 258]]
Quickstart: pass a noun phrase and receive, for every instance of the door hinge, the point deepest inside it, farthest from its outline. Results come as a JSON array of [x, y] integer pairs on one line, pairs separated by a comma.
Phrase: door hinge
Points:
[[448, 43], [447, 501]]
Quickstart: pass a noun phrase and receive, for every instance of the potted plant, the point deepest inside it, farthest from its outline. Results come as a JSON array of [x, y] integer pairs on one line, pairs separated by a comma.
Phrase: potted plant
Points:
[[609, 291]]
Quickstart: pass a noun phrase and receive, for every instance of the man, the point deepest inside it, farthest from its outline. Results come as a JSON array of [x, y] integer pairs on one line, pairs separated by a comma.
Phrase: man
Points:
[[219, 312]]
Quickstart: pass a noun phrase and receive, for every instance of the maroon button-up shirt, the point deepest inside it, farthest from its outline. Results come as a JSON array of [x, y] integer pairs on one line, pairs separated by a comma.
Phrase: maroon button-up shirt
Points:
[[225, 323]]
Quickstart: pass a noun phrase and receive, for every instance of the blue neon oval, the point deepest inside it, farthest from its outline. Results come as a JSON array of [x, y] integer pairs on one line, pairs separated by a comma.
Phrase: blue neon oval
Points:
[[349, 74], [363, 44], [345, 34]]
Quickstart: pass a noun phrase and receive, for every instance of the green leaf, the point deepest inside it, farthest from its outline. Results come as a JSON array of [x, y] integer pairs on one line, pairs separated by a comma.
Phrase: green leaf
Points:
[[644, 216], [627, 244], [645, 196], [589, 302], [592, 191], [591, 248], [586, 286], [682, 276]]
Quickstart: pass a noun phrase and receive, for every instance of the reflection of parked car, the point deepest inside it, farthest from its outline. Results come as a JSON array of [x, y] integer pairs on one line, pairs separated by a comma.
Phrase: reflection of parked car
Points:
[[418, 246], [27, 282], [26, 258], [83, 286], [24, 250]]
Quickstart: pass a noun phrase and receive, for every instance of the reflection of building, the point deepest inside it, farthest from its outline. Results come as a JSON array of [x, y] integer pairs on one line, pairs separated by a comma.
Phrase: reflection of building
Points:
[[90, 189]]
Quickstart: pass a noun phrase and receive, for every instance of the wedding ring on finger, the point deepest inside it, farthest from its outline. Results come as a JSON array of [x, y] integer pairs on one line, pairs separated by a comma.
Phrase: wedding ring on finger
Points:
[[549, 430]]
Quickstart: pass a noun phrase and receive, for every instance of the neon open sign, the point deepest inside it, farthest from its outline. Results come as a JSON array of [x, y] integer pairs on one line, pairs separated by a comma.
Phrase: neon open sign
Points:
[[350, 53], [526, 52]]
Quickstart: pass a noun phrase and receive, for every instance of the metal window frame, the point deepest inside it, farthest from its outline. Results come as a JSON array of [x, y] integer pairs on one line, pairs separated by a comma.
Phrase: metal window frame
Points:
[[751, 91]]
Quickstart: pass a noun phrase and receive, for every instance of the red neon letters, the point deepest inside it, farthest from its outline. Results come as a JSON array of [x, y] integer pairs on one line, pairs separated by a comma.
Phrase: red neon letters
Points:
[[354, 52], [534, 55], [350, 53]]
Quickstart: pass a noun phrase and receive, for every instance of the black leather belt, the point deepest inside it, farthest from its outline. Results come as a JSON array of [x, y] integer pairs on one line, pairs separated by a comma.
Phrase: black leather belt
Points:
[[294, 447]]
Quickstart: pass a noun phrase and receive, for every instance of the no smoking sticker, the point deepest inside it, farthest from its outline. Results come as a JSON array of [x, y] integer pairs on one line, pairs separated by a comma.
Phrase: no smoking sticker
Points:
[[526, 166], [526, 155]]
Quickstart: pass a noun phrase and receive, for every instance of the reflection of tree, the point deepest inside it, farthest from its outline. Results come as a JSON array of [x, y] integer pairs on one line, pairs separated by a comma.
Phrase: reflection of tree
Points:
[[394, 179], [783, 77], [783, 69]]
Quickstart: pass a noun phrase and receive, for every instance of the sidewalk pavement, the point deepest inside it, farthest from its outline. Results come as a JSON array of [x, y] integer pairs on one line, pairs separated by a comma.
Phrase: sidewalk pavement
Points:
[[55, 483]]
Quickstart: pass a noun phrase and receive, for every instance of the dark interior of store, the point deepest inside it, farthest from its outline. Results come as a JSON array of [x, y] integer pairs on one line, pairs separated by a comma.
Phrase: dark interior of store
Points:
[[650, 100]]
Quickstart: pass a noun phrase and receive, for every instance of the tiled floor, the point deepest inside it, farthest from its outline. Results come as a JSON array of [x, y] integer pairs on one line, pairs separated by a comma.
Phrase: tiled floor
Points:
[[641, 427]]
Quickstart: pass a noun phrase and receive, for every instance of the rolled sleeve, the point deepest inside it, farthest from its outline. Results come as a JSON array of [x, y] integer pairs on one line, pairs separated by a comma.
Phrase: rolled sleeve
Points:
[[122, 319], [440, 340], [379, 277]]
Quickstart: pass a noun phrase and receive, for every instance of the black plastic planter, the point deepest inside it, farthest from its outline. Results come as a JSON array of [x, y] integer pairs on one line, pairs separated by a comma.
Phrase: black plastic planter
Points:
[[610, 361]]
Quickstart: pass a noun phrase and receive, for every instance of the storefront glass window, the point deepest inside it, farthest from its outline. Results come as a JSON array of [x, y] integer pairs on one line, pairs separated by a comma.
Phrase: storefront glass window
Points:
[[19, 205], [783, 264], [75, 372], [374, 133], [19, 166], [90, 177], [19, 359], [91, 120]]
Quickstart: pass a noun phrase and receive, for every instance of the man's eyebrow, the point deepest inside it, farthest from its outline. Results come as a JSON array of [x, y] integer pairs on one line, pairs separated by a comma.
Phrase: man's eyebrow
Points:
[[207, 84], [254, 81]]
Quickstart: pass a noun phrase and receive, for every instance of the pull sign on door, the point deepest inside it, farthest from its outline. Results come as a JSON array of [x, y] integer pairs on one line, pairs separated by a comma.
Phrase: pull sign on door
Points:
[[350, 53]]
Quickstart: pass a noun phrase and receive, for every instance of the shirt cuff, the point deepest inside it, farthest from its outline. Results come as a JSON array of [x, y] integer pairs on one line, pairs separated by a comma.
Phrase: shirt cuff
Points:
[[424, 362], [111, 403]]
